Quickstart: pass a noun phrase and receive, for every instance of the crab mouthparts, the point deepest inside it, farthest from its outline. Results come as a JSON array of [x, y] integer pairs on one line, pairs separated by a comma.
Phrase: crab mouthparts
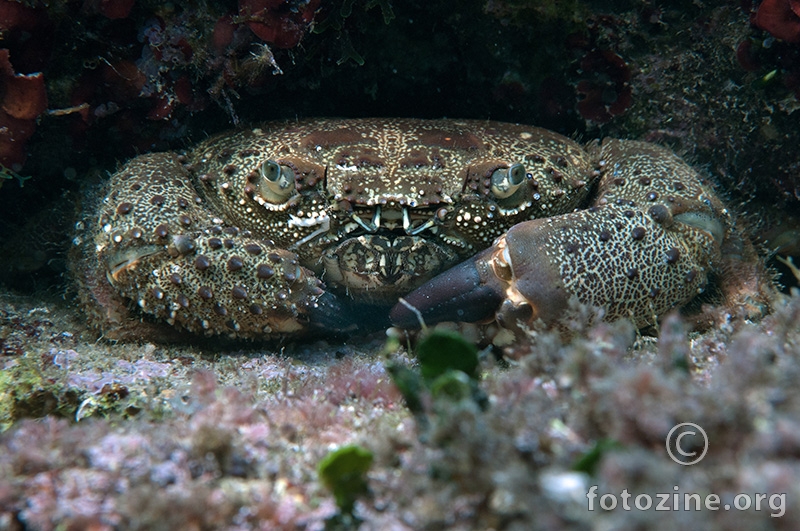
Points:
[[376, 267], [395, 220]]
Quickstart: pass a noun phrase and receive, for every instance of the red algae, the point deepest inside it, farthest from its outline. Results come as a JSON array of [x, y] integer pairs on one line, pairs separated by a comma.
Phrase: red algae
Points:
[[278, 22], [23, 100], [781, 18]]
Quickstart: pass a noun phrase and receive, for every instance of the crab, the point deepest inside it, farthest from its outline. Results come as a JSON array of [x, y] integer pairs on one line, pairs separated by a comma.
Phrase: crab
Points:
[[351, 224]]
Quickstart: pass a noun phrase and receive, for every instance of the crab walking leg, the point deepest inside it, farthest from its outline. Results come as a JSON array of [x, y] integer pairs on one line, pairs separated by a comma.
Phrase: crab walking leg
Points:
[[166, 253], [646, 245], [211, 289]]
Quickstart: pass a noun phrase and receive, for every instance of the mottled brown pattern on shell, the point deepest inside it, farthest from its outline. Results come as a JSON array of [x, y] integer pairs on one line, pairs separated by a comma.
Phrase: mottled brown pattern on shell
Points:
[[425, 164], [629, 253], [167, 283], [189, 242], [629, 278]]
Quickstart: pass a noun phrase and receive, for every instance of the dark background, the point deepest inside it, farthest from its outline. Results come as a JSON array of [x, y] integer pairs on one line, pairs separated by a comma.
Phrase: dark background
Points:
[[699, 77]]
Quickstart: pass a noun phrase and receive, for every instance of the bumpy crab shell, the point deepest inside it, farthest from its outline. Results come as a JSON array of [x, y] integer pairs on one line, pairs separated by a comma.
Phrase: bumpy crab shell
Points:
[[323, 224]]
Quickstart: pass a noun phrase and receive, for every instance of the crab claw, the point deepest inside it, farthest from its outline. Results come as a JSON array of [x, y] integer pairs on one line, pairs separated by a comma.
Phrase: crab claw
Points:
[[532, 281], [512, 281], [625, 262], [468, 292], [645, 246]]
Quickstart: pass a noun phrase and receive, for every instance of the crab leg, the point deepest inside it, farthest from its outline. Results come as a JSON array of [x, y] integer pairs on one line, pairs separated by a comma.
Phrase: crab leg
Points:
[[646, 245], [178, 263]]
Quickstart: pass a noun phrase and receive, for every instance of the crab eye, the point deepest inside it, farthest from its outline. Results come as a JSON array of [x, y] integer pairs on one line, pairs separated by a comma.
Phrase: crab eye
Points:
[[506, 181], [277, 181]]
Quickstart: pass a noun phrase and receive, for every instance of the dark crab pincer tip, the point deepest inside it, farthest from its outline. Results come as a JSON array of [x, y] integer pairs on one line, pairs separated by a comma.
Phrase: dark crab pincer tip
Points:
[[332, 314], [459, 294]]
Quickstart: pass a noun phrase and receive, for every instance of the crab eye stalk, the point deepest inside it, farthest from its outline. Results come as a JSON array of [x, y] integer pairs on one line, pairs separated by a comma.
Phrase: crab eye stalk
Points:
[[506, 181], [277, 181]]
